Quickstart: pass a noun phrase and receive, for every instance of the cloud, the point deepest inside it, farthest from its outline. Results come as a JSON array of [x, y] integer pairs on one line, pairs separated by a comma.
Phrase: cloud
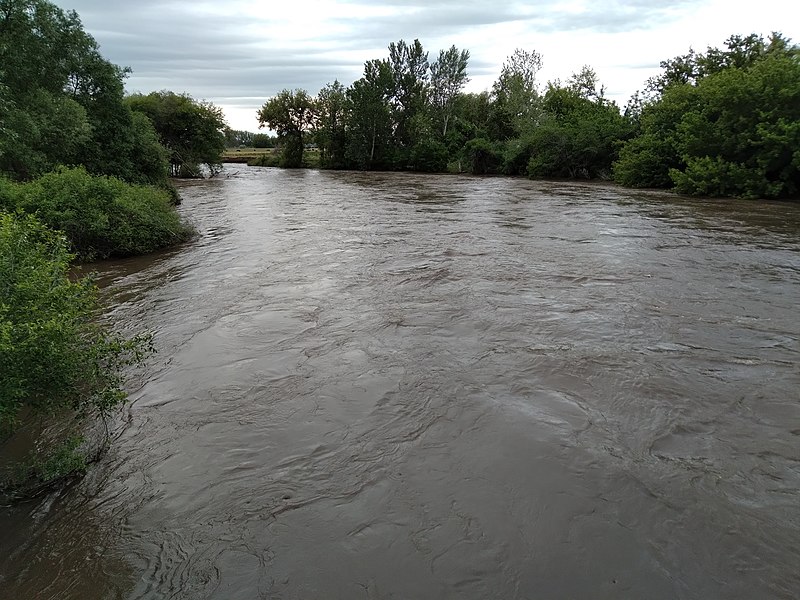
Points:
[[239, 52]]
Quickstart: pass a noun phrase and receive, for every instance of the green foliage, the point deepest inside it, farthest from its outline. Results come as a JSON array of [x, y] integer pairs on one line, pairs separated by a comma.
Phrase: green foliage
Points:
[[579, 132], [645, 161], [64, 460], [428, 155], [482, 157], [62, 102], [193, 132], [236, 138], [44, 468], [515, 95], [369, 117], [408, 95], [331, 134], [726, 123], [723, 122], [53, 355], [101, 216], [263, 140], [448, 77], [290, 114]]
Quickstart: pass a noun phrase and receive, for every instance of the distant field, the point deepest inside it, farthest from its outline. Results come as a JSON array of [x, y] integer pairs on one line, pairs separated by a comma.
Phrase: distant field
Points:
[[243, 155], [266, 157]]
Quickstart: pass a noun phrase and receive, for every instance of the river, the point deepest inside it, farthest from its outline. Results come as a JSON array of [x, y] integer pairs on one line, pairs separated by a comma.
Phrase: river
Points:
[[404, 386]]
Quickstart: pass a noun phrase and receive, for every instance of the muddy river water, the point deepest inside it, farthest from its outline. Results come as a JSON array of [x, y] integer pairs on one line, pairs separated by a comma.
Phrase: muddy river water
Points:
[[401, 386]]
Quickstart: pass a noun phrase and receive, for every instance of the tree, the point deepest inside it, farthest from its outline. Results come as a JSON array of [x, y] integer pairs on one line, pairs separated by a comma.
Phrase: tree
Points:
[[408, 64], [331, 134], [291, 114], [369, 116], [63, 102], [579, 133], [193, 132], [236, 137], [646, 160], [723, 123], [448, 77], [742, 135], [515, 94], [585, 83], [263, 140]]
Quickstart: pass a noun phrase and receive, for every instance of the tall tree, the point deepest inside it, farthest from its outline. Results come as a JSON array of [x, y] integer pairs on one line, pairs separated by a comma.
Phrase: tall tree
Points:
[[515, 94], [331, 133], [723, 123], [448, 78], [369, 116], [585, 84], [409, 68], [291, 114], [63, 100], [579, 131]]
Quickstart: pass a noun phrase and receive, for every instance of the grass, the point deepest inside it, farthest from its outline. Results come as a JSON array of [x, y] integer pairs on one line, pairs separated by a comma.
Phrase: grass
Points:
[[246, 155], [267, 157]]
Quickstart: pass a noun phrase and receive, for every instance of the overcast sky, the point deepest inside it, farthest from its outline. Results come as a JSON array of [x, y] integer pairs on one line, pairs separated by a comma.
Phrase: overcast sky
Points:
[[237, 53]]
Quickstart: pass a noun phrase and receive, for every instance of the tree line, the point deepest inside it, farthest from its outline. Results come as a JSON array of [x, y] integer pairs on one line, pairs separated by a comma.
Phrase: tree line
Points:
[[721, 123]]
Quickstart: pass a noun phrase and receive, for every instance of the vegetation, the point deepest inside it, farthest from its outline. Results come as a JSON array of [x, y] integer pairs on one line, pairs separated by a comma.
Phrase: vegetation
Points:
[[53, 354], [409, 113], [100, 216], [723, 123], [43, 469], [291, 115], [192, 132], [62, 103]]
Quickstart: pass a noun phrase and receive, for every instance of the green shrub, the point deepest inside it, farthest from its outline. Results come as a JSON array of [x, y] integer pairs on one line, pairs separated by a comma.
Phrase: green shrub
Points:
[[482, 157], [267, 159], [53, 355], [429, 156], [103, 216], [50, 463]]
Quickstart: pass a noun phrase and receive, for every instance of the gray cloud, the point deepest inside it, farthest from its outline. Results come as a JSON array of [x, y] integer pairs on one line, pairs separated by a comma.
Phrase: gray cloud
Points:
[[179, 45]]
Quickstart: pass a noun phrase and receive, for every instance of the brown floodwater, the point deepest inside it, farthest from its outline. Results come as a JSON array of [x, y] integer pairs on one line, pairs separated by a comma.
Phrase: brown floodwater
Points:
[[402, 386]]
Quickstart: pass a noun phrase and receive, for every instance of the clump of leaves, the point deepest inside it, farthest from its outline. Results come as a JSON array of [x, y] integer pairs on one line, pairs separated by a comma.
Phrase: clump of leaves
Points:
[[54, 354], [102, 216]]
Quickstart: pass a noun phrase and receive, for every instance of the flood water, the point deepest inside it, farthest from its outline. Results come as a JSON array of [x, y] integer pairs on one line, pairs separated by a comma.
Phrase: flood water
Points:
[[401, 386]]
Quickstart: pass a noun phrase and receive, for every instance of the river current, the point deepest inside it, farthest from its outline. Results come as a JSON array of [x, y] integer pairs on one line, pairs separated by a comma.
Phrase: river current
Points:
[[403, 386]]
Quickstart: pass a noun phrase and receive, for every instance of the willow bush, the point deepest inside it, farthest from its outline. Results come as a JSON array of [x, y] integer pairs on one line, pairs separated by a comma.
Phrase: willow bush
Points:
[[54, 354]]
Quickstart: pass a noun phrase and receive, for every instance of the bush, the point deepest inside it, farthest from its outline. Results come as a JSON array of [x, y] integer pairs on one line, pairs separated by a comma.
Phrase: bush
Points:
[[482, 157], [53, 356], [103, 216], [429, 156], [267, 159], [645, 161]]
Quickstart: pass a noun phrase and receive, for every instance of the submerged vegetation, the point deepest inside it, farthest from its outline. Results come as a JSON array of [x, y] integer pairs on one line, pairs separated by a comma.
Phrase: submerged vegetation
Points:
[[54, 356], [721, 123]]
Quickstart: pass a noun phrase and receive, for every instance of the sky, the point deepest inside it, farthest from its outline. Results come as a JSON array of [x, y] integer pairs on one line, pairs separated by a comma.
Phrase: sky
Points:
[[238, 53]]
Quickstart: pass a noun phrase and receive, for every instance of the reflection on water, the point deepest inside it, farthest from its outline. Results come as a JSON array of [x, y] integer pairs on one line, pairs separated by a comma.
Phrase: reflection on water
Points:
[[393, 385]]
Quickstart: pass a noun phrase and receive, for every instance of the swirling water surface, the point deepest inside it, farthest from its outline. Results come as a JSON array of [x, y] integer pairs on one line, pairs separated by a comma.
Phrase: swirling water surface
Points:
[[404, 386]]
